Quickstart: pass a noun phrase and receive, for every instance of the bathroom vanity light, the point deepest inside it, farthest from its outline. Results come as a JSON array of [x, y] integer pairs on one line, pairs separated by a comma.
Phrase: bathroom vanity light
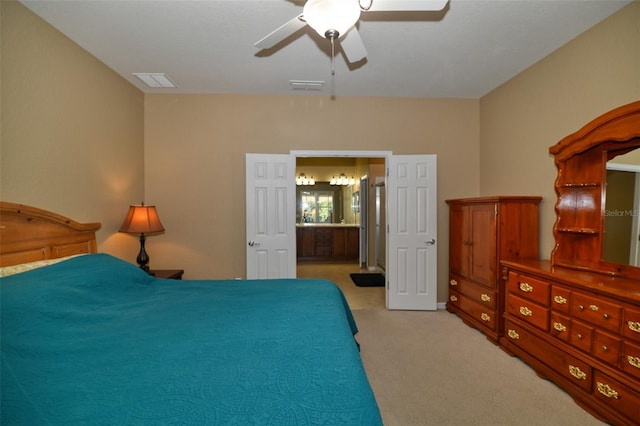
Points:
[[303, 180], [342, 180]]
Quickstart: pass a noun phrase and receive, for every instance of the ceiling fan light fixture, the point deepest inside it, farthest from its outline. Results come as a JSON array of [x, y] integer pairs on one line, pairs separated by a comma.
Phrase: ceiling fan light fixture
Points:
[[331, 18]]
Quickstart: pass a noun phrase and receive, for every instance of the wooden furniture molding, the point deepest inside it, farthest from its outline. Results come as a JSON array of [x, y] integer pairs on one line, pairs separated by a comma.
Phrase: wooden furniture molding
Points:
[[581, 189], [29, 234]]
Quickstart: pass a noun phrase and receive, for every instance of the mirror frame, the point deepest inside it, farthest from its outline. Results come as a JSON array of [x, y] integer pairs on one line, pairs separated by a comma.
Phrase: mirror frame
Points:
[[580, 187]]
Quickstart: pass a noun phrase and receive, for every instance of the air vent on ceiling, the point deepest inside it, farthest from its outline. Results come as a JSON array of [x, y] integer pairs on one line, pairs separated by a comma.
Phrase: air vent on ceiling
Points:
[[306, 84], [155, 79]]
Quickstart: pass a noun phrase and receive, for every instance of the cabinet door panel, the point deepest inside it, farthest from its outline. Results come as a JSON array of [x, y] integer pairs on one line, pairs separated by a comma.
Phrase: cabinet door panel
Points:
[[339, 241], [458, 241], [482, 267], [323, 242], [353, 242], [308, 242]]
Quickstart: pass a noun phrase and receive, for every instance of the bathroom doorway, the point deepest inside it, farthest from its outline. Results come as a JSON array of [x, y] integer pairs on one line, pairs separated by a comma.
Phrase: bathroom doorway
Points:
[[353, 206]]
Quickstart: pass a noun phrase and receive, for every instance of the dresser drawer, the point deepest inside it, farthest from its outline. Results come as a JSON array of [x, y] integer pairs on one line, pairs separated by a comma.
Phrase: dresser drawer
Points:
[[483, 315], [454, 298], [596, 311], [528, 311], [581, 335], [529, 288], [617, 395], [631, 327], [479, 294], [576, 371], [560, 299], [560, 326], [630, 361], [606, 347]]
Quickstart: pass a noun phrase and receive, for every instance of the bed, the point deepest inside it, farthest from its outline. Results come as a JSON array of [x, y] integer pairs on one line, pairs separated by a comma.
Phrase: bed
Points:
[[90, 339]]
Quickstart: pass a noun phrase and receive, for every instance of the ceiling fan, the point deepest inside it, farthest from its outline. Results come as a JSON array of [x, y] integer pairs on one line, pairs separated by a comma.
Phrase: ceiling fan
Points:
[[336, 20]]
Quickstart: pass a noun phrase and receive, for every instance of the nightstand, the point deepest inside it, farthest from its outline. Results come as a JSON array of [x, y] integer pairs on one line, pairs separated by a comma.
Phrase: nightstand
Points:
[[173, 274]]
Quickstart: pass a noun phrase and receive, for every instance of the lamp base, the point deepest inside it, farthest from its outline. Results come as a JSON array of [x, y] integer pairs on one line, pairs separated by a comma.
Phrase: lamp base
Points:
[[143, 257]]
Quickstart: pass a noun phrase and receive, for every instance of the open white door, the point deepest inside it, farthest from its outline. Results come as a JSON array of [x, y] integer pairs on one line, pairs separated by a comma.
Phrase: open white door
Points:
[[270, 216], [412, 228]]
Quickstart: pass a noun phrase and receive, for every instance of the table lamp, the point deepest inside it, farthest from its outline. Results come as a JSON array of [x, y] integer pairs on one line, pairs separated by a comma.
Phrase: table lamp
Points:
[[142, 220]]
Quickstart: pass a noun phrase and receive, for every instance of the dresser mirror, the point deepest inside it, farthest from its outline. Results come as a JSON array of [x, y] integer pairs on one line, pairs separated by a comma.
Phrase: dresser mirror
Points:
[[586, 228], [622, 208]]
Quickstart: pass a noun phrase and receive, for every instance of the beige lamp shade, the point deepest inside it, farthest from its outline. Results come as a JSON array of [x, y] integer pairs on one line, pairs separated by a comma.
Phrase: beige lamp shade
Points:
[[142, 220]]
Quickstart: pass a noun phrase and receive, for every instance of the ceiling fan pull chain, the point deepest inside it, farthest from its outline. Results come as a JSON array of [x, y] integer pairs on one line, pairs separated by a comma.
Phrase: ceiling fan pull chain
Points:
[[333, 58]]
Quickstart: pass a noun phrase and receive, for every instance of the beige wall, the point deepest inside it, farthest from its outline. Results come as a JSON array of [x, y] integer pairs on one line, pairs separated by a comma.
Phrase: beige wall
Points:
[[72, 129], [592, 74], [195, 149]]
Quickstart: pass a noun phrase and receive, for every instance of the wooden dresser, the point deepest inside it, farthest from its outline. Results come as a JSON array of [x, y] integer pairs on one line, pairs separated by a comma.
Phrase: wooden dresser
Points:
[[576, 318], [482, 232], [579, 329]]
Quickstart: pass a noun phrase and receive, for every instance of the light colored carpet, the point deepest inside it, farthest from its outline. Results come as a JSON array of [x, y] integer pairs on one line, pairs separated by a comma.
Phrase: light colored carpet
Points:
[[429, 368]]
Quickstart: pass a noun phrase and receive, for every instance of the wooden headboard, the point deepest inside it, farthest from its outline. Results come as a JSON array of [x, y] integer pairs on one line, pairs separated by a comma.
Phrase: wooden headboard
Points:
[[28, 234]]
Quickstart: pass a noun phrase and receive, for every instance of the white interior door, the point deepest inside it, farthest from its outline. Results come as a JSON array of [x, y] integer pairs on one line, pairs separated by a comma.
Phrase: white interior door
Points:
[[270, 216], [412, 228]]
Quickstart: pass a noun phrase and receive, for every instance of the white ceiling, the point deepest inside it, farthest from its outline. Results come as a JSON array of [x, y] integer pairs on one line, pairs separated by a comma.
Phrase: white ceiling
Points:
[[206, 46]]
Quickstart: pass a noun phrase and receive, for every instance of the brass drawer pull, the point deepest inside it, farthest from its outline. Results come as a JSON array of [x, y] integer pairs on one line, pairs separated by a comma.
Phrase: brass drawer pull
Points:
[[485, 298], [526, 287], [604, 348], [485, 317], [605, 316], [560, 300], [607, 391], [453, 298], [580, 308], [579, 336], [634, 326], [559, 326], [513, 334], [453, 282], [634, 361], [594, 308], [577, 373], [525, 311]]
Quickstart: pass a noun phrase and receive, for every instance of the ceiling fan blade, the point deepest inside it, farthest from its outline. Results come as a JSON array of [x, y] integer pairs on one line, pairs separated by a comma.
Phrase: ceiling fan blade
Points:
[[403, 5], [352, 46], [281, 33]]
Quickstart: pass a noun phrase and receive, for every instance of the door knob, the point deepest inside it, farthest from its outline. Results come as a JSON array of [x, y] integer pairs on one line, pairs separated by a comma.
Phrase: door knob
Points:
[[253, 243], [432, 241]]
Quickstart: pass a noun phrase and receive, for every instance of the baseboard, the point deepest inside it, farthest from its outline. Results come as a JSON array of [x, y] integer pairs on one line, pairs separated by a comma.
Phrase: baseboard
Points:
[[442, 306]]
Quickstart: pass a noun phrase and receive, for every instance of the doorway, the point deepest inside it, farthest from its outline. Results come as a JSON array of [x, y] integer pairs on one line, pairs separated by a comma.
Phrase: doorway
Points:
[[353, 207], [411, 252]]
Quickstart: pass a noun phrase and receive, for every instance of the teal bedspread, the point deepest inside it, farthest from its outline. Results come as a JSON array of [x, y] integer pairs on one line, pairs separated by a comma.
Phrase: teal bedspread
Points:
[[94, 340]]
